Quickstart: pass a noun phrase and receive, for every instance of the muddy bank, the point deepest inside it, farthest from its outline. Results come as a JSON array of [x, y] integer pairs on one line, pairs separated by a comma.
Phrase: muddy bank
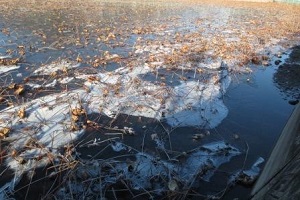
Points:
[[287, 77], [279, 179]]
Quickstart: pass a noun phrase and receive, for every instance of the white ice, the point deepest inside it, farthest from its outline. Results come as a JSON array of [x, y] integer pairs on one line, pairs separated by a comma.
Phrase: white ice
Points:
[[7, 68]]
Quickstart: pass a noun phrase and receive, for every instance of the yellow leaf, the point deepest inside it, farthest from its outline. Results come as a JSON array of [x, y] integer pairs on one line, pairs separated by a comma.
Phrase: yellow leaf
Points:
[[19, 90], [22, 113], [4, 132]]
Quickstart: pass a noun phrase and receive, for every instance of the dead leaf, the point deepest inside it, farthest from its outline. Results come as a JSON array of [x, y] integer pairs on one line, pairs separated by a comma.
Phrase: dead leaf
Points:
[[255, 60], [78, 111], [19, 89], [184, 49], [79, 59], [53, 74], [9, 103], [265, 57], [105, 92], [4, 132], [14, 153], [111, 36], [75, 118], [92, 78], [12, 86], [109, 56], [22, 113], [9, 61], [2, 99], [91, 123]]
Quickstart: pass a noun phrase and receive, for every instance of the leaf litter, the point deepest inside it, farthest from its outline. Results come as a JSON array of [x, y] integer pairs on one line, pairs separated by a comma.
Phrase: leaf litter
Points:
[[174, 70]]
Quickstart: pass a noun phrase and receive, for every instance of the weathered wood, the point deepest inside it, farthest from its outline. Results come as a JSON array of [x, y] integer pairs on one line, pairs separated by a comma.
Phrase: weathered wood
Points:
[[280, 178]]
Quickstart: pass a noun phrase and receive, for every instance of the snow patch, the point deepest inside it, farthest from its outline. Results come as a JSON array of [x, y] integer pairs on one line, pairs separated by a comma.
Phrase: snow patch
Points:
[[63, 65], [7, 68], [35, 141]]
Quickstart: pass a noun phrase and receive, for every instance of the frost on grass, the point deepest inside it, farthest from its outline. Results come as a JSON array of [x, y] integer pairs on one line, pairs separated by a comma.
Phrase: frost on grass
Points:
[[4, 69], [195, 102], [147, 172], [56, 73], [46, 124], [61, 66], [38, 131]]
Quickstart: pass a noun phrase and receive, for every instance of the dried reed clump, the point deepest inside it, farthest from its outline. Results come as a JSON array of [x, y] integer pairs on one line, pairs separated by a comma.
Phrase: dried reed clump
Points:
[[79, 119], [9, 61]]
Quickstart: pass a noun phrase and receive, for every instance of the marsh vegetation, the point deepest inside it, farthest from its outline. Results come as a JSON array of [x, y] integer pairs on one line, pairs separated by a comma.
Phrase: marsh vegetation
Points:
[[107, 99]]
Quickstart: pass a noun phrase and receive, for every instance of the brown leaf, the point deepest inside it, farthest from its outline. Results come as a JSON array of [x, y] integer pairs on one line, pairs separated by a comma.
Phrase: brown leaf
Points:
[[92, 78], [265, 57], [22, 113], [14, 153], [78, 111], [105, 92], [74, 127], [53, 74], [9, 103], [184, 49], [79, 59], [7, 61], [75, 118], [111, 36], [2, 99], [12, 86], [255, 60], [19, 90], [4, 132]]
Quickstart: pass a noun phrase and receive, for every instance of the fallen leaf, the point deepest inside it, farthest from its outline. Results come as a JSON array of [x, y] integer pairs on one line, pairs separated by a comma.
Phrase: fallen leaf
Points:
[[19, 90], [2, 99], [92, 78], [105, 92], [53, 74], [79, 59], [75, 118], [78, 111], [4, 132], [12, 86], [14, 153], [22, 113]]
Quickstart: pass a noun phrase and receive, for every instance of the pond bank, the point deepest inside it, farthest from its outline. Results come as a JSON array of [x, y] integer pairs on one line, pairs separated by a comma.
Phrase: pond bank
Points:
[[280, 177]]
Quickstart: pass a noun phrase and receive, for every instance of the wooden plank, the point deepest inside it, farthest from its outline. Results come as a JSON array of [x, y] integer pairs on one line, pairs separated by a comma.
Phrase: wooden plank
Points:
[[283, 160]]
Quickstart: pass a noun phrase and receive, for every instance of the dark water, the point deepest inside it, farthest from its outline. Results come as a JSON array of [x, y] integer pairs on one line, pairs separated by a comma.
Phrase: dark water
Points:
[[257, 113]]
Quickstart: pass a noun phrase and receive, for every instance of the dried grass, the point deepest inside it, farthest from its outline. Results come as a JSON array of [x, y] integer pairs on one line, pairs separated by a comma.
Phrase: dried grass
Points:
[[255, 30]]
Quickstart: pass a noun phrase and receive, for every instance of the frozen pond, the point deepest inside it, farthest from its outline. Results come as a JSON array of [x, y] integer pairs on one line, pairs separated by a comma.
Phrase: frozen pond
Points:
[[140, 99]]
